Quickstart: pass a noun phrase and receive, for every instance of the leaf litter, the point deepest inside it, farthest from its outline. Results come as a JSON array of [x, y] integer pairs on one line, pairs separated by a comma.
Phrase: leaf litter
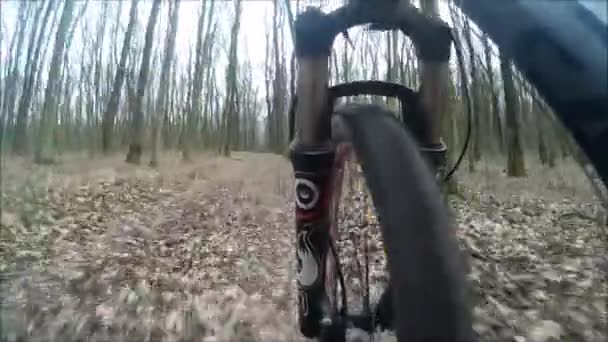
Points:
[[204, 252]]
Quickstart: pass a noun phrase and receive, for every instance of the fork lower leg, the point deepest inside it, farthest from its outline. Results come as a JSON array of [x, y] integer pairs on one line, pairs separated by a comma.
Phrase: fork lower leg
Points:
[[313, 174]]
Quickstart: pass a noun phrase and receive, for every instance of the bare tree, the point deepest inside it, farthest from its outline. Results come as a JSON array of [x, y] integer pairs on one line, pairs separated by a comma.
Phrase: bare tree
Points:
[[493, 93], [63, 105], [112, 107], [542, 124], [515, 156], [47, 47], [34, 47], [161, 97], [270, 121], [195, 107], [96, 64], [9, 96], [276, 128], [476, 97], [292, 63], [208, 55], [45, 147], [248, 107], [231, 107], [137, 120]]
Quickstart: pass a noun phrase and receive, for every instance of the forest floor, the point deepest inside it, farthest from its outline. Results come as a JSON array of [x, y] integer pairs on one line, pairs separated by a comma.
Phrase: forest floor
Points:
[[103, 251]]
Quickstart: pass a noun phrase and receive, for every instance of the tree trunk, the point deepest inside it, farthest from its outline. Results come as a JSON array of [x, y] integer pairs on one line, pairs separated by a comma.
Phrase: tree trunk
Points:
[[9, 96], [543, 153], [278, 83], [137, 121], [170, 114], [161, 97], [543, 121], [270, 121], [45, 49], [114, 102], [208, 43], [515, 156], [97, 78], [197, 86], [475, 154], [496, 119], [231, 106], [20, 139], [45, 147], [292, 63]]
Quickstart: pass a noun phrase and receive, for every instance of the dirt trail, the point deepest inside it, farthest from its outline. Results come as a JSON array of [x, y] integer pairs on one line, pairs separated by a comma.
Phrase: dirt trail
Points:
[[99, 251]]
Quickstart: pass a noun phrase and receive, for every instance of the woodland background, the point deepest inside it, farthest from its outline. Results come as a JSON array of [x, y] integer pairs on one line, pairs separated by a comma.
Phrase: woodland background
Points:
[[125, 85], [145, 193]]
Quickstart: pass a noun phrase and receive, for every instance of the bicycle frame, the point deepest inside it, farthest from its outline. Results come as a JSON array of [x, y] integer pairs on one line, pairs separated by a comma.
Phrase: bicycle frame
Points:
[[312, 151]]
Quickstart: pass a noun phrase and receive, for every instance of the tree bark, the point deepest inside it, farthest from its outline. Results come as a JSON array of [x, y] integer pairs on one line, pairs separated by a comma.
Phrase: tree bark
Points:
[[20, 139], [208, 43], [161, 97], [97, 80], [194, 110], [278, 83], [137, 121], [114, 102], [270, 121], [496, 119], [515, 157], [45, 147], [231, 106], [475, 154], [9, 96]]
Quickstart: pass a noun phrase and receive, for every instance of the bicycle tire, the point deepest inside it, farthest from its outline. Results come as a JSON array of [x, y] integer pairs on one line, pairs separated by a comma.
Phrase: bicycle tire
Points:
[[427, 276], [331, 278]]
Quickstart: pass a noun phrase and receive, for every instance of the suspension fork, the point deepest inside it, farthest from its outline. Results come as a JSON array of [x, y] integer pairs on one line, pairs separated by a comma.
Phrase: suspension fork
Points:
[[312, 153], [312, 156], [433, 51]]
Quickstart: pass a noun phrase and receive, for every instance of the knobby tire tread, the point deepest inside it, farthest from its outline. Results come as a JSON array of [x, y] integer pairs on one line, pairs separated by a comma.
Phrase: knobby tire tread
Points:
[[425, 265]]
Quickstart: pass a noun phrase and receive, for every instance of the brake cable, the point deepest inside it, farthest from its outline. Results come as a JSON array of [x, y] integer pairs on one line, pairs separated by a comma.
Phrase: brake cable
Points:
[[334, 252], [465, 90]]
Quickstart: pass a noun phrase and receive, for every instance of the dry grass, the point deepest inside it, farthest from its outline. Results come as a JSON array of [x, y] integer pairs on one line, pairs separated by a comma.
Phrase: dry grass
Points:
[[565, 181]]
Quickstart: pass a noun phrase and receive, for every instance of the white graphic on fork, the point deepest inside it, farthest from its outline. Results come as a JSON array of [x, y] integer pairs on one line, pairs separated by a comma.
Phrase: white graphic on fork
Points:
[[307, 194], [308, 267]]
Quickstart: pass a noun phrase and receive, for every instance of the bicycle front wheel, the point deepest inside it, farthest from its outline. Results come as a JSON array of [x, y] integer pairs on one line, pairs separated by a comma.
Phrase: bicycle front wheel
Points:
[[427, 276]]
